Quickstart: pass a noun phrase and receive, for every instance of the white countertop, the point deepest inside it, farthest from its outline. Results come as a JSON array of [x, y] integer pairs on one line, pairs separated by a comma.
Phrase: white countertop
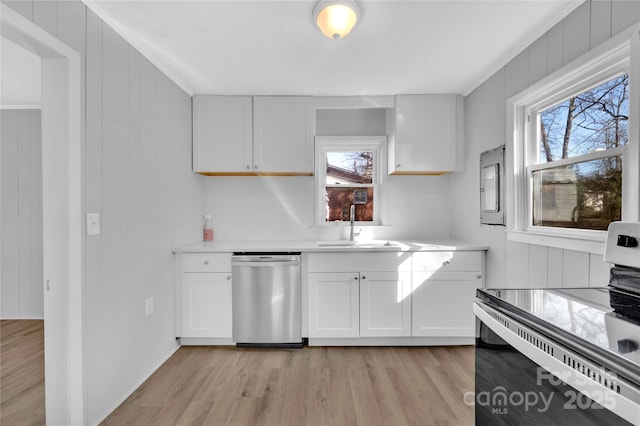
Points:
[[313, 246]]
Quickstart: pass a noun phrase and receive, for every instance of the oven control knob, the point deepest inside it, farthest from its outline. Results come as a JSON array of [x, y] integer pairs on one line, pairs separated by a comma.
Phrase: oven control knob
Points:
[[627, 241], [626, 346]]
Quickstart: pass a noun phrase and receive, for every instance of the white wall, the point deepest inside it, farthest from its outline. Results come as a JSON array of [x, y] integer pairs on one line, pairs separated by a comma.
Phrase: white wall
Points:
[[138, 176], [21, 79], [282, 208], [513, 264], [137, 167], [21, 280]]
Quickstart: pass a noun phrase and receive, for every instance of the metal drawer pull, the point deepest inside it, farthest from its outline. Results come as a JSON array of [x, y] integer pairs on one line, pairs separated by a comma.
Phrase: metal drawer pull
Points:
[[206, 262], [228, 277], [446, 262]]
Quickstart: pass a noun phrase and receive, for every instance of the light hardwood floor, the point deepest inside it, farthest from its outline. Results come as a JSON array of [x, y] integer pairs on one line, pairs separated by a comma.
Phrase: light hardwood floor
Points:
[[310, 386], [22, 372]]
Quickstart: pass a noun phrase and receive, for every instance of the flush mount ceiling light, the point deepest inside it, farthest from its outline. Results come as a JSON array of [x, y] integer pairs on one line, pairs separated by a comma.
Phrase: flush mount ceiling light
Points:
[[336, 19]]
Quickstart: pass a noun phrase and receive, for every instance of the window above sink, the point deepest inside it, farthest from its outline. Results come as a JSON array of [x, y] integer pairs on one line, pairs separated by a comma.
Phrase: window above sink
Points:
[[348, 172]]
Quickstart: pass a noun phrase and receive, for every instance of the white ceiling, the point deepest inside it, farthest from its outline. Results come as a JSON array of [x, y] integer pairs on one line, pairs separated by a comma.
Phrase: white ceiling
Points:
[[273, 47], [20, 81]]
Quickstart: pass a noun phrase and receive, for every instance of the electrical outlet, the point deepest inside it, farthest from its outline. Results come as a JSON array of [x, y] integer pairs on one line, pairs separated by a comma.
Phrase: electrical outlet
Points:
[[148, 306]]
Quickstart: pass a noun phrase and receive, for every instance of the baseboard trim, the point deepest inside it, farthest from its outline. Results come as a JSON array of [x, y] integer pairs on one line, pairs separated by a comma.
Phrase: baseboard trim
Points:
[[106, 413], [22, 318], [206, 341], [392, 341]]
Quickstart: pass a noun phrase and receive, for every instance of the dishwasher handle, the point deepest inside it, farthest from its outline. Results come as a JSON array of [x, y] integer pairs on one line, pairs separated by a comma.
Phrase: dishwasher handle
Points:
[[264, 261]]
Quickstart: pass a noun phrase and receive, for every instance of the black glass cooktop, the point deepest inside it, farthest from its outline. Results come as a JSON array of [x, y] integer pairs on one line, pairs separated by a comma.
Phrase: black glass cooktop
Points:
[[606, 318]]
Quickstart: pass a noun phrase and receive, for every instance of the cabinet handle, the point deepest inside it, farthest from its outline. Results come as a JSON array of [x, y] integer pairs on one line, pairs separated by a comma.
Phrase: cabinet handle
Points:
[[398, 165], [364, 278], [228, 277], [446, 262], [479, 275], [255, 167], [248, 167], [206, 262], [356, 278]]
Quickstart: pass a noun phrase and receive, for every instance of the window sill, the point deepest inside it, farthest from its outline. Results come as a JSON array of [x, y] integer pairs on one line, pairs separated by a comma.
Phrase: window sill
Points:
[[590, 244]]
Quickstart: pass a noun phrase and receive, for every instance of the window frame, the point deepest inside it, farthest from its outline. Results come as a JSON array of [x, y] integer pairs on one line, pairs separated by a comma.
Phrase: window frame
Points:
[[597, 66], [323, 144]]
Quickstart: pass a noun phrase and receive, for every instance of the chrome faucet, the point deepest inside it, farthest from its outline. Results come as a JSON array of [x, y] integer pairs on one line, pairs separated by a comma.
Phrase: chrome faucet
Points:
[[352, 217]]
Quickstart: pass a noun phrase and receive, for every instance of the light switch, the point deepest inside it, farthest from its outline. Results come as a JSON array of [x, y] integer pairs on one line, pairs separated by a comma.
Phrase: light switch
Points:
[[148, 306], [93, 223]]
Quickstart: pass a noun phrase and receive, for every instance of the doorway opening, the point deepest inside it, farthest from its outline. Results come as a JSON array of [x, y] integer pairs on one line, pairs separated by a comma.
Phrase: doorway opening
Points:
[[62, 216]]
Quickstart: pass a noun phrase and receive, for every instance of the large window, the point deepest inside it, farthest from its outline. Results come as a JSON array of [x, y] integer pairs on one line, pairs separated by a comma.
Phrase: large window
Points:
[[577, 175], [348, 175], [575, 150]]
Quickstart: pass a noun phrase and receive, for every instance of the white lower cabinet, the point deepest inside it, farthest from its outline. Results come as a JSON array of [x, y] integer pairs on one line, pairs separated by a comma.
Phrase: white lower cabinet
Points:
[[413, 298], [359, 304], [410, 298], [203, 298], [385, 304], [442, 303], [206, 305], [334, 304]]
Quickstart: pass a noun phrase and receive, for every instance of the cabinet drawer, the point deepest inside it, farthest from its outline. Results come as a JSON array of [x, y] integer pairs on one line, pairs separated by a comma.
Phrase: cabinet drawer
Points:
[[357, 262], [206, 262], [447, 261]]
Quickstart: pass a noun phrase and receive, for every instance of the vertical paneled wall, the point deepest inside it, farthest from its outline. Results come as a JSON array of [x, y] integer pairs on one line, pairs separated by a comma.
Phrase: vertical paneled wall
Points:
[[21, 276], [510, 263], [137, 176]]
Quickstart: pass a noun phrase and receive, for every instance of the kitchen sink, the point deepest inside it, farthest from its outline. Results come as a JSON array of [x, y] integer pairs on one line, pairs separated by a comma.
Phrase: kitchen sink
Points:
[[357, 244]]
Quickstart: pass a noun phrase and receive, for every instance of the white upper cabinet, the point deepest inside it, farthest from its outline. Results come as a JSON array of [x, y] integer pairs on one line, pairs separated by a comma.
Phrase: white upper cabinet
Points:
[[222, 134], [429, 135], [283, 134], [239, 135]]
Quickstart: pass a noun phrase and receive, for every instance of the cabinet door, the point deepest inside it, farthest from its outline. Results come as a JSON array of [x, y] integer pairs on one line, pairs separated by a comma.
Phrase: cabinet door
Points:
[[334, 304], [206, 305], [222, 134], [385, 304], [428, 136], [442, 303], [283, 134]]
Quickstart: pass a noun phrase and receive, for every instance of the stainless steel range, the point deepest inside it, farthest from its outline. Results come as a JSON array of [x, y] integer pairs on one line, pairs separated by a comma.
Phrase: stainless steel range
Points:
[[563, 356]]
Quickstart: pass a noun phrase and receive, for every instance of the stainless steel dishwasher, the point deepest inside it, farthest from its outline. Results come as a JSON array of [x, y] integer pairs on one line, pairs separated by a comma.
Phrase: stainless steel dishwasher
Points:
[[266, 300]]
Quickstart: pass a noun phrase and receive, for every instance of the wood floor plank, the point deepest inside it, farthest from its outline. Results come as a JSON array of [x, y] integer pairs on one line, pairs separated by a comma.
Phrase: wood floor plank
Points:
[[317, 396], [453, 396], [340, 398], [362, 393], [390, 404]]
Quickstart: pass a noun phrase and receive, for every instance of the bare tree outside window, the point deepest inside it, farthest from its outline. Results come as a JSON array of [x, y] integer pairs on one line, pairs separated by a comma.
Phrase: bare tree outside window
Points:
[[587, 193]]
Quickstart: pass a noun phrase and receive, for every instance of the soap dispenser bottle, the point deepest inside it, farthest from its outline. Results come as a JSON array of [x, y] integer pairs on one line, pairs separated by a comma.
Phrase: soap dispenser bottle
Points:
[[207, 228]]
